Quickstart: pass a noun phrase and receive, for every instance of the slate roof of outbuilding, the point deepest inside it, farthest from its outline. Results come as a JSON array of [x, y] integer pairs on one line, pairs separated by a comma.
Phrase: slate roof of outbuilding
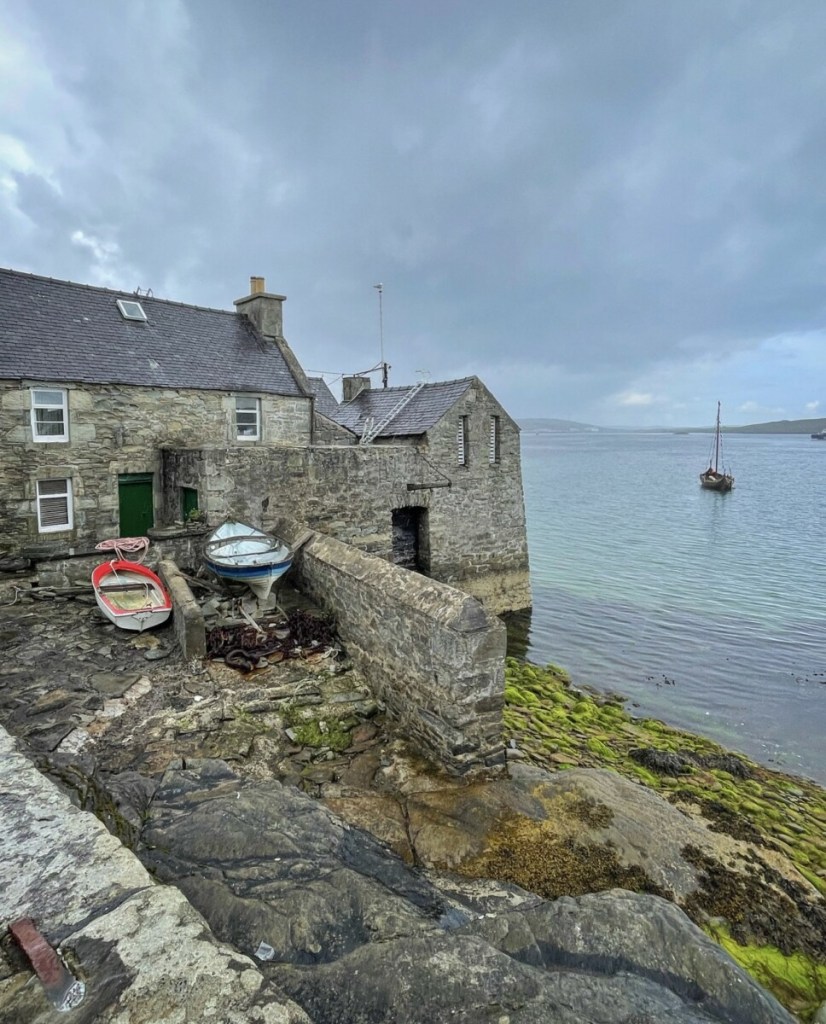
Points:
[[421, 413], [325, 400], [54, 330]]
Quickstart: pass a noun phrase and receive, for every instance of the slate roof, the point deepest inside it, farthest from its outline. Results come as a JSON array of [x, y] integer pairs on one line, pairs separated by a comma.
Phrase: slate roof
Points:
[[325, 401], [421, 413], [60, 331]]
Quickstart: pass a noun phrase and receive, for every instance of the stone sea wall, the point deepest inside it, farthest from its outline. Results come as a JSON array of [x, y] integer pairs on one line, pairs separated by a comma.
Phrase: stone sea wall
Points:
[[431, 653]]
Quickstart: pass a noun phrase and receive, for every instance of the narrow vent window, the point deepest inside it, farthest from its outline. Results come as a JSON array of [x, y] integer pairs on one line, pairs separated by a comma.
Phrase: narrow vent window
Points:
[[493, 442], [248, 419], [131, 310], [50, 420], [54, 505], [462, 441]]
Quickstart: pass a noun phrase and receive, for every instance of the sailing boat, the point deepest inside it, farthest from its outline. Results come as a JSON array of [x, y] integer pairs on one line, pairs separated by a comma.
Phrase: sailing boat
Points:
[[712, 479]]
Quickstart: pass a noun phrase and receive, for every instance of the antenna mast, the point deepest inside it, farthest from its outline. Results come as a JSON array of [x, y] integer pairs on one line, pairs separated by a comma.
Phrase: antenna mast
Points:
[[380, 288]]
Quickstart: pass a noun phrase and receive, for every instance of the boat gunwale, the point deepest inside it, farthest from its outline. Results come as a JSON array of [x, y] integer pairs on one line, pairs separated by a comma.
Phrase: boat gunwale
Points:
[[154, 584], [274, 557]]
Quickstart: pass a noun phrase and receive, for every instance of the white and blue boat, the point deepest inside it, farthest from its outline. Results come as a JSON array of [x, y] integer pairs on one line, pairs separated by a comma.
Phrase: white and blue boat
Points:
[[244, 554]]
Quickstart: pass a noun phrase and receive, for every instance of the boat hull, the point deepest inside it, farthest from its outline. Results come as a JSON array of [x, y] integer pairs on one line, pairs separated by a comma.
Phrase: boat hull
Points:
[[244, 554], [130, 595], [712, 481]]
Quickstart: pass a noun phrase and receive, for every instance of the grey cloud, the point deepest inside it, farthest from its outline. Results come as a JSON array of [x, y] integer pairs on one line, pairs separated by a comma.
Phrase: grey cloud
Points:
[[608, 190]]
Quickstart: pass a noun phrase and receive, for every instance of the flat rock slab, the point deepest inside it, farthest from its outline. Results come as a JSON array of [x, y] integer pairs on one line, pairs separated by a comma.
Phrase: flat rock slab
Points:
[[143, 951], [113, 684], [358, 937]]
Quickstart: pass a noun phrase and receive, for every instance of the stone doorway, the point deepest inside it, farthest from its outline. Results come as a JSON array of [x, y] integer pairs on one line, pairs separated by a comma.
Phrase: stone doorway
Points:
[[411, 539]]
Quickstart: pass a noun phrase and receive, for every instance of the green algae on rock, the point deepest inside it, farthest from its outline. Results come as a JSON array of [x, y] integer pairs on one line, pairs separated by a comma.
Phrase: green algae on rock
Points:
[[797, 980], [775, 925], [544, 714]]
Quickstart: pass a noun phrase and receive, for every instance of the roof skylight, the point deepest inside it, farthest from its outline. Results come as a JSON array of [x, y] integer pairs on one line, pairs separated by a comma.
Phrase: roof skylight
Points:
[[131, 310]]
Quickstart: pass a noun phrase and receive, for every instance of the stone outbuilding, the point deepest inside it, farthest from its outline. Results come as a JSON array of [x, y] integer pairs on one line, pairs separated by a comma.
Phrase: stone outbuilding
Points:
[[122, 412], [463, 518]]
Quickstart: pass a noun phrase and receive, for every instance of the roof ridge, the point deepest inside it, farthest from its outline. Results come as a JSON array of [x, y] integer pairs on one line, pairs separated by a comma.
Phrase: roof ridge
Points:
[[115, 291], [407, 387]]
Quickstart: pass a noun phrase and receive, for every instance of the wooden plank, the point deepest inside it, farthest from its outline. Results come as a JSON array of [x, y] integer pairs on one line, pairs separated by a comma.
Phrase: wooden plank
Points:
[[110, 588]]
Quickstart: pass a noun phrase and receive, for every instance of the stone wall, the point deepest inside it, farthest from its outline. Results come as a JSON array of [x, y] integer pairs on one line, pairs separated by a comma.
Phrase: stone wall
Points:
[[114, 429], [475, 527], [471, 523], [431, 653], [327, 431]]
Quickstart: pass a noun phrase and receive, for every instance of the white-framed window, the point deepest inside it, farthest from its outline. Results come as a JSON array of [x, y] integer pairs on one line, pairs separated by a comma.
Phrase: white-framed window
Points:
[[54, 505], [248, 419], [50, 414], [493, 441], [130, 310], [463, 441]]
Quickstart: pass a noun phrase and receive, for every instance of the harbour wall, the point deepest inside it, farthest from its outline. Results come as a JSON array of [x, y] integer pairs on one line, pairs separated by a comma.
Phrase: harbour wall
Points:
[[431, 653]]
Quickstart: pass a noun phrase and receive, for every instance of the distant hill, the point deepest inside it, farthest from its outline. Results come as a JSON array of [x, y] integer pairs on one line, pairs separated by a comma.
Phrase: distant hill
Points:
[[551, 426], [780, 427]]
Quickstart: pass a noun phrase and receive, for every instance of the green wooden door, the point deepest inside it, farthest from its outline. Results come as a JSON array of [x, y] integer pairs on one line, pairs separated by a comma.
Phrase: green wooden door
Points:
[[135, 503], [189, 502]]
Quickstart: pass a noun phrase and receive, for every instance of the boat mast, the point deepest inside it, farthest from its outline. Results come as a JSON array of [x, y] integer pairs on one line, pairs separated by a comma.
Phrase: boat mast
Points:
[[717, 442]]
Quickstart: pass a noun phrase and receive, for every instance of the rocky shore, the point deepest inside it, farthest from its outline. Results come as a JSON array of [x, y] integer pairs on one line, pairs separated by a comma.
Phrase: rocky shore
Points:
[[604, 880]]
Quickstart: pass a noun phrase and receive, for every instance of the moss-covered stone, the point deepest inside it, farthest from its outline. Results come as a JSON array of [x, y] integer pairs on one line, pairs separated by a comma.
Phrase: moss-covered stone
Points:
[[329, 733], [749, 800], [797, 980], [774, 928]]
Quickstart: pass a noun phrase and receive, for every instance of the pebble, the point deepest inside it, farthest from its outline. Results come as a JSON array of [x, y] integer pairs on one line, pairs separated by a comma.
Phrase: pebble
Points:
[[157, 653]]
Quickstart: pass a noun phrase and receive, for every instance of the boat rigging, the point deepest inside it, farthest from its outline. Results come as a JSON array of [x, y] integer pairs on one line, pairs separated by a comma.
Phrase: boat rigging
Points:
[[713, 478]]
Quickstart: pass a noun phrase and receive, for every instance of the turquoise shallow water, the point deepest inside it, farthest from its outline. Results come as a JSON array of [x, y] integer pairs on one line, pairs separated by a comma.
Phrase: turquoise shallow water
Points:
[[707, 610]]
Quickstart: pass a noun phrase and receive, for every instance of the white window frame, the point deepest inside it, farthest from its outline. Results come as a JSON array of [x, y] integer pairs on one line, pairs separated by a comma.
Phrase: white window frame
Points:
[[57, 495], [463, 441], [63, 405], [253, 406], [494, 441], [131, 309]]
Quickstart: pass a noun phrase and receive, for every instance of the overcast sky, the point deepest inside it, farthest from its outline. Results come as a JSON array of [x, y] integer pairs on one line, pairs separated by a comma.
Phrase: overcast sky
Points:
[[612, 211]]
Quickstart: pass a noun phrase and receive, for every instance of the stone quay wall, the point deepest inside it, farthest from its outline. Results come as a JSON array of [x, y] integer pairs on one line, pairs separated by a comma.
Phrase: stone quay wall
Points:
[[432, 654], [475, 528], [114, 429]]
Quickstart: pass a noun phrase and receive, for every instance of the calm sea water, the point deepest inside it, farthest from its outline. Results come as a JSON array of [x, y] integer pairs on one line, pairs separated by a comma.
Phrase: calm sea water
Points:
[[706, 610]]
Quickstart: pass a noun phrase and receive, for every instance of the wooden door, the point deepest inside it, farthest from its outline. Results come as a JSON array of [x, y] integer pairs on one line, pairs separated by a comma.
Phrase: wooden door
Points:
[[136, 504]]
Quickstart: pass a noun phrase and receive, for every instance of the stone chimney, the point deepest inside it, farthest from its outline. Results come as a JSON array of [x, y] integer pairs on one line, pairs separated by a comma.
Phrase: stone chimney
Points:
[[263, 308], [352, 387]]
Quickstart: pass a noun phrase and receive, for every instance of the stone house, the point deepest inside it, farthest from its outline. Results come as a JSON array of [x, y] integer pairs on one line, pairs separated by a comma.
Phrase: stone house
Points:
[[122, 412], [463, 514]]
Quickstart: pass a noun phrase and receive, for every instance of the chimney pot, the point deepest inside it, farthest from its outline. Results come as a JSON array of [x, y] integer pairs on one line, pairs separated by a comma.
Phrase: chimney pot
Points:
[[257, 285]]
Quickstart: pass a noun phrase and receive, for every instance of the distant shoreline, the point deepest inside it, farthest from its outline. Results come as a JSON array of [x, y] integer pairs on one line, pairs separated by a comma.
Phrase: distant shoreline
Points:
[[794, 428]]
